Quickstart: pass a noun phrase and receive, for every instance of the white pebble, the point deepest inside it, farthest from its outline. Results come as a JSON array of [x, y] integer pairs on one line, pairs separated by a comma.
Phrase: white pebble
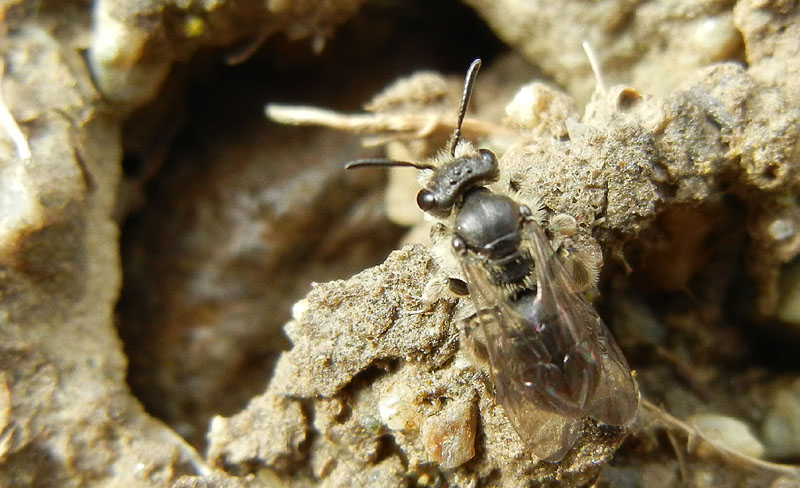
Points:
[[728, 431]]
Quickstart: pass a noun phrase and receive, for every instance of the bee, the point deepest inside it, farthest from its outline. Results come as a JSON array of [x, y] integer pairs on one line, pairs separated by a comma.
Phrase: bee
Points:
[[553, 362]]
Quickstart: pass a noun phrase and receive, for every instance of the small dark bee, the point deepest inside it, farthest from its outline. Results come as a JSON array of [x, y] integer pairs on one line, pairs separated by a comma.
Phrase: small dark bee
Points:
[[553, 361]]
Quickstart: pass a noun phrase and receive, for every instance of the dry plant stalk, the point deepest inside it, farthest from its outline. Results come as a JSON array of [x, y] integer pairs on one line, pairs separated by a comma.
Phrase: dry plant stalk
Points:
[[10, 125], [403, 125], [655, 416]]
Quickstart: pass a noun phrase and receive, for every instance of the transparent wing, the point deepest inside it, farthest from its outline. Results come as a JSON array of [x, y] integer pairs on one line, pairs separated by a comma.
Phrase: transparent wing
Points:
[[552, 359], [612, 396], [548, 433]]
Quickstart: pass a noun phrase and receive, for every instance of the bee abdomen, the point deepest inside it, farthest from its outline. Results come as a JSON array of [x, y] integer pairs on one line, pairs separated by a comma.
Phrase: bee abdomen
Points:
[[511, 270]]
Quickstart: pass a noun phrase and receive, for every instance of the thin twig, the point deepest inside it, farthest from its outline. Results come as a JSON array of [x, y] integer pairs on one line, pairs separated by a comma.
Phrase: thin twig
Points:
[[659, 416], [595, 64], [421, 125], [682, 466], [10, 125]]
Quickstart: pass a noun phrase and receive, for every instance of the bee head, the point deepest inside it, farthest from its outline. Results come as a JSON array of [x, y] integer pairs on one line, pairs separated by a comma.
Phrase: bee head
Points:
[[455, 176]]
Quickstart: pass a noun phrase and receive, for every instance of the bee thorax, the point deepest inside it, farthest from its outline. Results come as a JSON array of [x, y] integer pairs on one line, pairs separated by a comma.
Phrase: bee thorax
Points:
[[489, 223]]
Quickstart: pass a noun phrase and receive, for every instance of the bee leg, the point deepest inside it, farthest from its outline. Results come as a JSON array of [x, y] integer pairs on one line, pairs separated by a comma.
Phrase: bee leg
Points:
[[469, 338], [439, 289], [476, 348], [472, 339], [561, 226], [467, 326], [583, 268], [457, 287], [443, 289]]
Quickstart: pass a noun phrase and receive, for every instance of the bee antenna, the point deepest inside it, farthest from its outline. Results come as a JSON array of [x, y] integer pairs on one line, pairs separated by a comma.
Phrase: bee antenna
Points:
[[469, 83], [366, 163]]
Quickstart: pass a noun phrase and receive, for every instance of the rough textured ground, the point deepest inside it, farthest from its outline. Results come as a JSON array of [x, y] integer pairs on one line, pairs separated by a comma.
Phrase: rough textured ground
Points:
[[685, 179]]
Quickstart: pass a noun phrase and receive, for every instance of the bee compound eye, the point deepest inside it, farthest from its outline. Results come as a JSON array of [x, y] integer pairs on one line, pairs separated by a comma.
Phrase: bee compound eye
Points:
[[426, 200], [458, 244], [487, 155]]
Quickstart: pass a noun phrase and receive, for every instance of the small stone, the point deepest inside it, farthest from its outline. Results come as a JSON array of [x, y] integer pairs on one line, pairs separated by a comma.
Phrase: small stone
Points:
[[781, 428], [115, 56], [728, 431], [396, 408], [716, 37], [782, 229], [538, 106], [449, 436]]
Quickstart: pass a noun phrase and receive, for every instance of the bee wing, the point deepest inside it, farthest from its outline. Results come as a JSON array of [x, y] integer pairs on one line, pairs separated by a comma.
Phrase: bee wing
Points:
[[611, 393], [515, 360], [552, 359]]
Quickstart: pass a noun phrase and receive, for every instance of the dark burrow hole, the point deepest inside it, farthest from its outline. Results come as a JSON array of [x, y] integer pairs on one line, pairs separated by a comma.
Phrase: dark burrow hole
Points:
[[228, 218], [770, 172]]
